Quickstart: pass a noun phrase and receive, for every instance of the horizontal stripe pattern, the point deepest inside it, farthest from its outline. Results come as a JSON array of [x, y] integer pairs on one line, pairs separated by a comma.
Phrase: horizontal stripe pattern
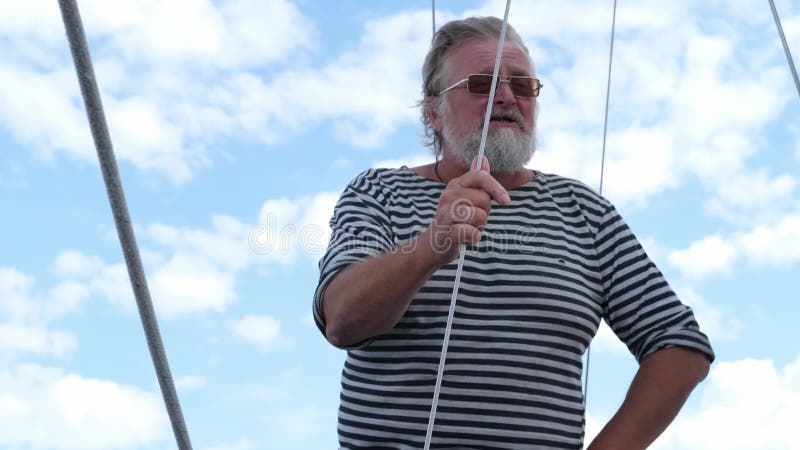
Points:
[[548, 268]]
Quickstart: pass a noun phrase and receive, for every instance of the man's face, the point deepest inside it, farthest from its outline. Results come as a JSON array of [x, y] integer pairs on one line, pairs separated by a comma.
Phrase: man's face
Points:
[[509, 143]]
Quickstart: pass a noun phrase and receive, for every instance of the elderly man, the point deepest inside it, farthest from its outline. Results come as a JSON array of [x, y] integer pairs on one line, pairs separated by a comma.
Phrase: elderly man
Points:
[[551, 260]]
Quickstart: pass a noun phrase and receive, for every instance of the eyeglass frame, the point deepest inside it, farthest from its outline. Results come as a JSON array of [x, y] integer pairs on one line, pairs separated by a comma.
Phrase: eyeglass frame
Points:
[[499, 80]]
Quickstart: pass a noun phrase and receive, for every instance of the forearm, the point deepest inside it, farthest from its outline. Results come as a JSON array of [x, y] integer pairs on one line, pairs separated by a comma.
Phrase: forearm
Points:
[[658, 391], [370, 297]]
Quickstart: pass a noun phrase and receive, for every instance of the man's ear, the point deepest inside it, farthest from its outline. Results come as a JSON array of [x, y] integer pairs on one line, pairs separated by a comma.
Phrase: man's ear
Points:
[[433, 116]]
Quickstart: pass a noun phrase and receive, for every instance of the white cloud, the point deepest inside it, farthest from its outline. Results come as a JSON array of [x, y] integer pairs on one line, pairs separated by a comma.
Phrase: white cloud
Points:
[[17, 338], [36, 17], [187, 382], [188, 284], [229, 33], [754, 198], [74, 263], [165, 124], [190, 270], [44, 407], [291, 226], [26, 313], [754, 398], [182, 283], [776, 244], [715, 321], [15, 294], [112, 283], [365, 92], [224, 244], [710, 255], [145, 137], [641, 165], [21, 303], [64, 298], [26, 93], [262, 330]]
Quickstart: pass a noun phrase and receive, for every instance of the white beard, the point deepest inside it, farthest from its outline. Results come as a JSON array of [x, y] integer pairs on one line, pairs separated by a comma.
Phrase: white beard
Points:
[[507, 150]]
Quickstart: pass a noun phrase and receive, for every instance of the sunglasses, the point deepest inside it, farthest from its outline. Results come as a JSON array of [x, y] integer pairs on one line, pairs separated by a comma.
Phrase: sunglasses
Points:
[[481, 84]]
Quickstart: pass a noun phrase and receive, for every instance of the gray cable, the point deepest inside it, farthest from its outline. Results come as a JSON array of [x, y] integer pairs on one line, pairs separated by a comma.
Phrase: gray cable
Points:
[[116, 196], [602, 173], [608, 94], [433, 17], [785, 46]]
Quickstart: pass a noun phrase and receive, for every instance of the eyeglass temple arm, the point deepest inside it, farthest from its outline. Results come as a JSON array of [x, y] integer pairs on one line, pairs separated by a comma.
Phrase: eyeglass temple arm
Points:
[[452, 86]]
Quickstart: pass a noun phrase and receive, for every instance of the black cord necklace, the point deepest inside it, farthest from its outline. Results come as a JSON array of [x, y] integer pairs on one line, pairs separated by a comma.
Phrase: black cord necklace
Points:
[[436, 171]]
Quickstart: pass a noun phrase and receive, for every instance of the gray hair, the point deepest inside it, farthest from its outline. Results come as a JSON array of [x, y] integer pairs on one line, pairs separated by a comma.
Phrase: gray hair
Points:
[[449, 36]]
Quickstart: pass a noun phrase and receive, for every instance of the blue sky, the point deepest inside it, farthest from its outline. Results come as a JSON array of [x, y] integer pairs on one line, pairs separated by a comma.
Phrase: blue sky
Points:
[[237, 123]]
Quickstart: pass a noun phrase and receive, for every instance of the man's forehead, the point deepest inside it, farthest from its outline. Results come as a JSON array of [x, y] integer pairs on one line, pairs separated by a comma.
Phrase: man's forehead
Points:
[[480, 55]]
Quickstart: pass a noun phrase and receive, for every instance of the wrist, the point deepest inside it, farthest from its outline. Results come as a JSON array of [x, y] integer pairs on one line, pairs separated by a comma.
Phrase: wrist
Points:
[[437, 245]]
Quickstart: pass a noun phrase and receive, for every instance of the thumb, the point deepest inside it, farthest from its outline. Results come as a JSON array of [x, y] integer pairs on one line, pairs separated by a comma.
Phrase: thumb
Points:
[[484, 164]]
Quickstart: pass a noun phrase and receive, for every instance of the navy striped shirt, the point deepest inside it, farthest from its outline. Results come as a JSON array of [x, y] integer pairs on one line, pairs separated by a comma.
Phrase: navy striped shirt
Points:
[[549, 266]]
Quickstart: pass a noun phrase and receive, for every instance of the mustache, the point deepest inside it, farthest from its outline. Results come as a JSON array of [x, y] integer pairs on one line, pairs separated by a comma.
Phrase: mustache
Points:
[[510, 114]]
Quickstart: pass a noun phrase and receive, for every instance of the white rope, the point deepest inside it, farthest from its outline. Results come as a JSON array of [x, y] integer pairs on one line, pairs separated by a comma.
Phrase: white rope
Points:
[[463, 250]]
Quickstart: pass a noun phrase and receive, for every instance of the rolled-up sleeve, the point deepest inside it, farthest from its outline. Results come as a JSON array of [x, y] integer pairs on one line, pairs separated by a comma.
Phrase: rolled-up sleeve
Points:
[[640, 306], [360, 228]]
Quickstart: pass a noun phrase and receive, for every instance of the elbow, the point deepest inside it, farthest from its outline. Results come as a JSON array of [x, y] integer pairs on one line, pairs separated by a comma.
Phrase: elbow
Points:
[[703, 370], [335, 334], [345, 335], [336, 330], [340, 332], [698, 365]]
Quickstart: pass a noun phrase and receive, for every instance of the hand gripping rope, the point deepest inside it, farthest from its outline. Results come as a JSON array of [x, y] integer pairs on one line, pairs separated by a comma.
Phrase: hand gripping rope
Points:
[[119, 207], [463, 251]]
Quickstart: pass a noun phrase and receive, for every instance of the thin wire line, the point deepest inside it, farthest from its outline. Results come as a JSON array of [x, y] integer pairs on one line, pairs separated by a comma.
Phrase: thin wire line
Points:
[[116, 196], [463, 248], [433, 17], [602, 173], [608, 93], [785, 46]]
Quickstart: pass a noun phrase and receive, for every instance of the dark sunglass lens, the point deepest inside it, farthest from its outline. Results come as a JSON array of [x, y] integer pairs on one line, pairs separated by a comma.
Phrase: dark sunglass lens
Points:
[[522, 86], [480, 84]]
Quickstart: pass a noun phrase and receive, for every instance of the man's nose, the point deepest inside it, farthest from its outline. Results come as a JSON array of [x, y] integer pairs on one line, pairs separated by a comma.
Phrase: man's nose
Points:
[[504, 95]]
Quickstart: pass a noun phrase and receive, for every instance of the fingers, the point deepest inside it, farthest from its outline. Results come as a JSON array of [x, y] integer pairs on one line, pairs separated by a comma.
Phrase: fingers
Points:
[[467, 234], [465, 204], [466, 213], [485, 182], [454, 198]]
